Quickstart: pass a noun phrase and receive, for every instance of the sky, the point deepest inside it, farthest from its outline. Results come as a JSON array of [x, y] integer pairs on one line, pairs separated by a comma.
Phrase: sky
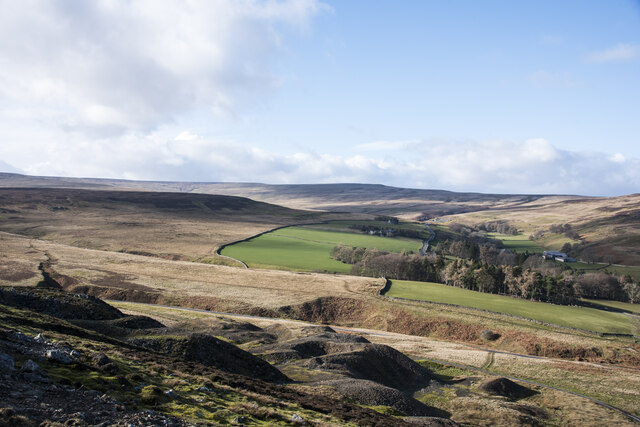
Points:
[[536, 97]]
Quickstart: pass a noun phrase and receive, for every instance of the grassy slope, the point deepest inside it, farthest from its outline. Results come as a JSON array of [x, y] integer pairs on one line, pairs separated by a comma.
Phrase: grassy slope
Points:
[[308, 249], [518, 243], [169, 225], [574, 317], [618, 305], [609, 223]]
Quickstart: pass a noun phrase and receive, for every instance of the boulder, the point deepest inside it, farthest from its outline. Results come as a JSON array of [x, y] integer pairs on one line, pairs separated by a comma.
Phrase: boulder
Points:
[[58, 356], [6, 363]]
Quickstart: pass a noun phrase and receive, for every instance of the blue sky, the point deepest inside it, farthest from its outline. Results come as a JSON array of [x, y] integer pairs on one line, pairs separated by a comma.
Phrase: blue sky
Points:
[[491, 96]]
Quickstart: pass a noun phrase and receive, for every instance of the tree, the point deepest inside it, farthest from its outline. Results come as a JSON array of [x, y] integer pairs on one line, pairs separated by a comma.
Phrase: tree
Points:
[[633, 292]]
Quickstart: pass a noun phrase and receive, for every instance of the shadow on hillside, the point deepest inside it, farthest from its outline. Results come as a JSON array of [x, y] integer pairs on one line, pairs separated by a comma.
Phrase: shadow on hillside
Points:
[[603, 307]]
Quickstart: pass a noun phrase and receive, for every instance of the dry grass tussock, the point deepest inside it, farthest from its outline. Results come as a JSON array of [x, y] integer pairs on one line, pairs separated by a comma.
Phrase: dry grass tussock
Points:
[[130, 276]]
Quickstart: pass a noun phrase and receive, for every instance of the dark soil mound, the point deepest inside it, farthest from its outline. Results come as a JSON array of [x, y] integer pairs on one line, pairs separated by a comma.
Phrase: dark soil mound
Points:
[[121, 327], [58, 303], [213, 352], [370, 393], [327, 342], [136, 322], [378, 363], [241, 332], [507, 388]]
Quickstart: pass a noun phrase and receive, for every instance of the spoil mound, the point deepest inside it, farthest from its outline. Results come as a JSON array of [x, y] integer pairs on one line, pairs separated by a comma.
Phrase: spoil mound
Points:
[[379, 363], [136, 322], [213, 352], [368, 392], [240, 332], [120, 327], [505, 387], [323, 345], [327, 342], [58, 303]]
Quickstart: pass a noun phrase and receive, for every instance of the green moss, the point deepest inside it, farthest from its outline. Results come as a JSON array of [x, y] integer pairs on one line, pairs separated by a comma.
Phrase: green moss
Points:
[[444, 372], [386, 410], [153, 395]]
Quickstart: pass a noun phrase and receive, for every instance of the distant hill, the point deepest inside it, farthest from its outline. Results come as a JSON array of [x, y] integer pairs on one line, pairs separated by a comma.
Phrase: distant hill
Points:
[[361, 198], [608, 227]]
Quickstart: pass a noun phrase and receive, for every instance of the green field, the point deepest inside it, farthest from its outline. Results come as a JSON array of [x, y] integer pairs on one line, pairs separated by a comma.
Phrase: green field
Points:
[[575, 317], [620, 270], [519, 243], [617, 305], [308, 249], [344, 225]]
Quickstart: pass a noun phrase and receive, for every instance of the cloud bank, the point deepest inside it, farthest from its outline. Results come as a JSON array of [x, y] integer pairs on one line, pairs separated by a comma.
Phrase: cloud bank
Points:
[[534, 166]]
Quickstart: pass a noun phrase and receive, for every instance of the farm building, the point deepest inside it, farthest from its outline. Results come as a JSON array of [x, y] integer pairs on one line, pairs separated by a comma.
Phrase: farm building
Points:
[[558, 256]]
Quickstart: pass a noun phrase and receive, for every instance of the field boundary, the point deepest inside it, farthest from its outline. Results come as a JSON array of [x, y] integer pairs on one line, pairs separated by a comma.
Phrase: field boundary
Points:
[[246, 239], [539, 322]]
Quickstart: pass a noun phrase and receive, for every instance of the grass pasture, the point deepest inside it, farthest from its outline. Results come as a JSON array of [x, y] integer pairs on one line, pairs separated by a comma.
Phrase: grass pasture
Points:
[[625, 307], [574, 317], [307, 248], [518, 243], [621, 270]]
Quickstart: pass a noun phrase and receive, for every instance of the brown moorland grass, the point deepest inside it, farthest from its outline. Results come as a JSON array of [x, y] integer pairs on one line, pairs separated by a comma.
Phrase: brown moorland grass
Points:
[[610, 224], [175, 226]]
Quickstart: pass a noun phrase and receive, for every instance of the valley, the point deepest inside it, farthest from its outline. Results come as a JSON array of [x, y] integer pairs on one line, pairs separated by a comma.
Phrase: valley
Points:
[[181, 259]]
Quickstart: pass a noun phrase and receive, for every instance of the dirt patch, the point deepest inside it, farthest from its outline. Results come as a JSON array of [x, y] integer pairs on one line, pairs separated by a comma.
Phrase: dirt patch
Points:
[[328, 310], [506, 388], [120, 281]]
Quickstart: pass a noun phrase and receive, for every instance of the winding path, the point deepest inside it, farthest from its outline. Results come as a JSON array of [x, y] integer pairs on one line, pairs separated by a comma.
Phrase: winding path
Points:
[[425, 243]]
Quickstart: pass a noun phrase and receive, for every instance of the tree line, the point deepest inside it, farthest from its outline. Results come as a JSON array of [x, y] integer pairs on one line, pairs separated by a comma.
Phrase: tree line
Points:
[[530, 278]]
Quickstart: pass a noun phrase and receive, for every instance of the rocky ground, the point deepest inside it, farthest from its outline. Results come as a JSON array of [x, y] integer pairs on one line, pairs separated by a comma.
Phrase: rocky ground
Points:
[[77, 361]]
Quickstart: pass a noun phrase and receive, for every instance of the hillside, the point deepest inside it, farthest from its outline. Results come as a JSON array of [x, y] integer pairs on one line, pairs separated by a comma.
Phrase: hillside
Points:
[[361, 198], [168, 225], [608, 227]]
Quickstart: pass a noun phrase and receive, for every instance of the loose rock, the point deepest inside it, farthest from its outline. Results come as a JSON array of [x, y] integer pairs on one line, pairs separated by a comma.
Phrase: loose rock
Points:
[[59, 356], [297, 419], [6, 363]]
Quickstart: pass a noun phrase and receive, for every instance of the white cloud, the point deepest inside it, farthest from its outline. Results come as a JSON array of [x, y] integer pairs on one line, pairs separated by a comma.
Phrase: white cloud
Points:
[[113, 66], [384, 145], [618, 53], [531, 166], [618, 158]]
